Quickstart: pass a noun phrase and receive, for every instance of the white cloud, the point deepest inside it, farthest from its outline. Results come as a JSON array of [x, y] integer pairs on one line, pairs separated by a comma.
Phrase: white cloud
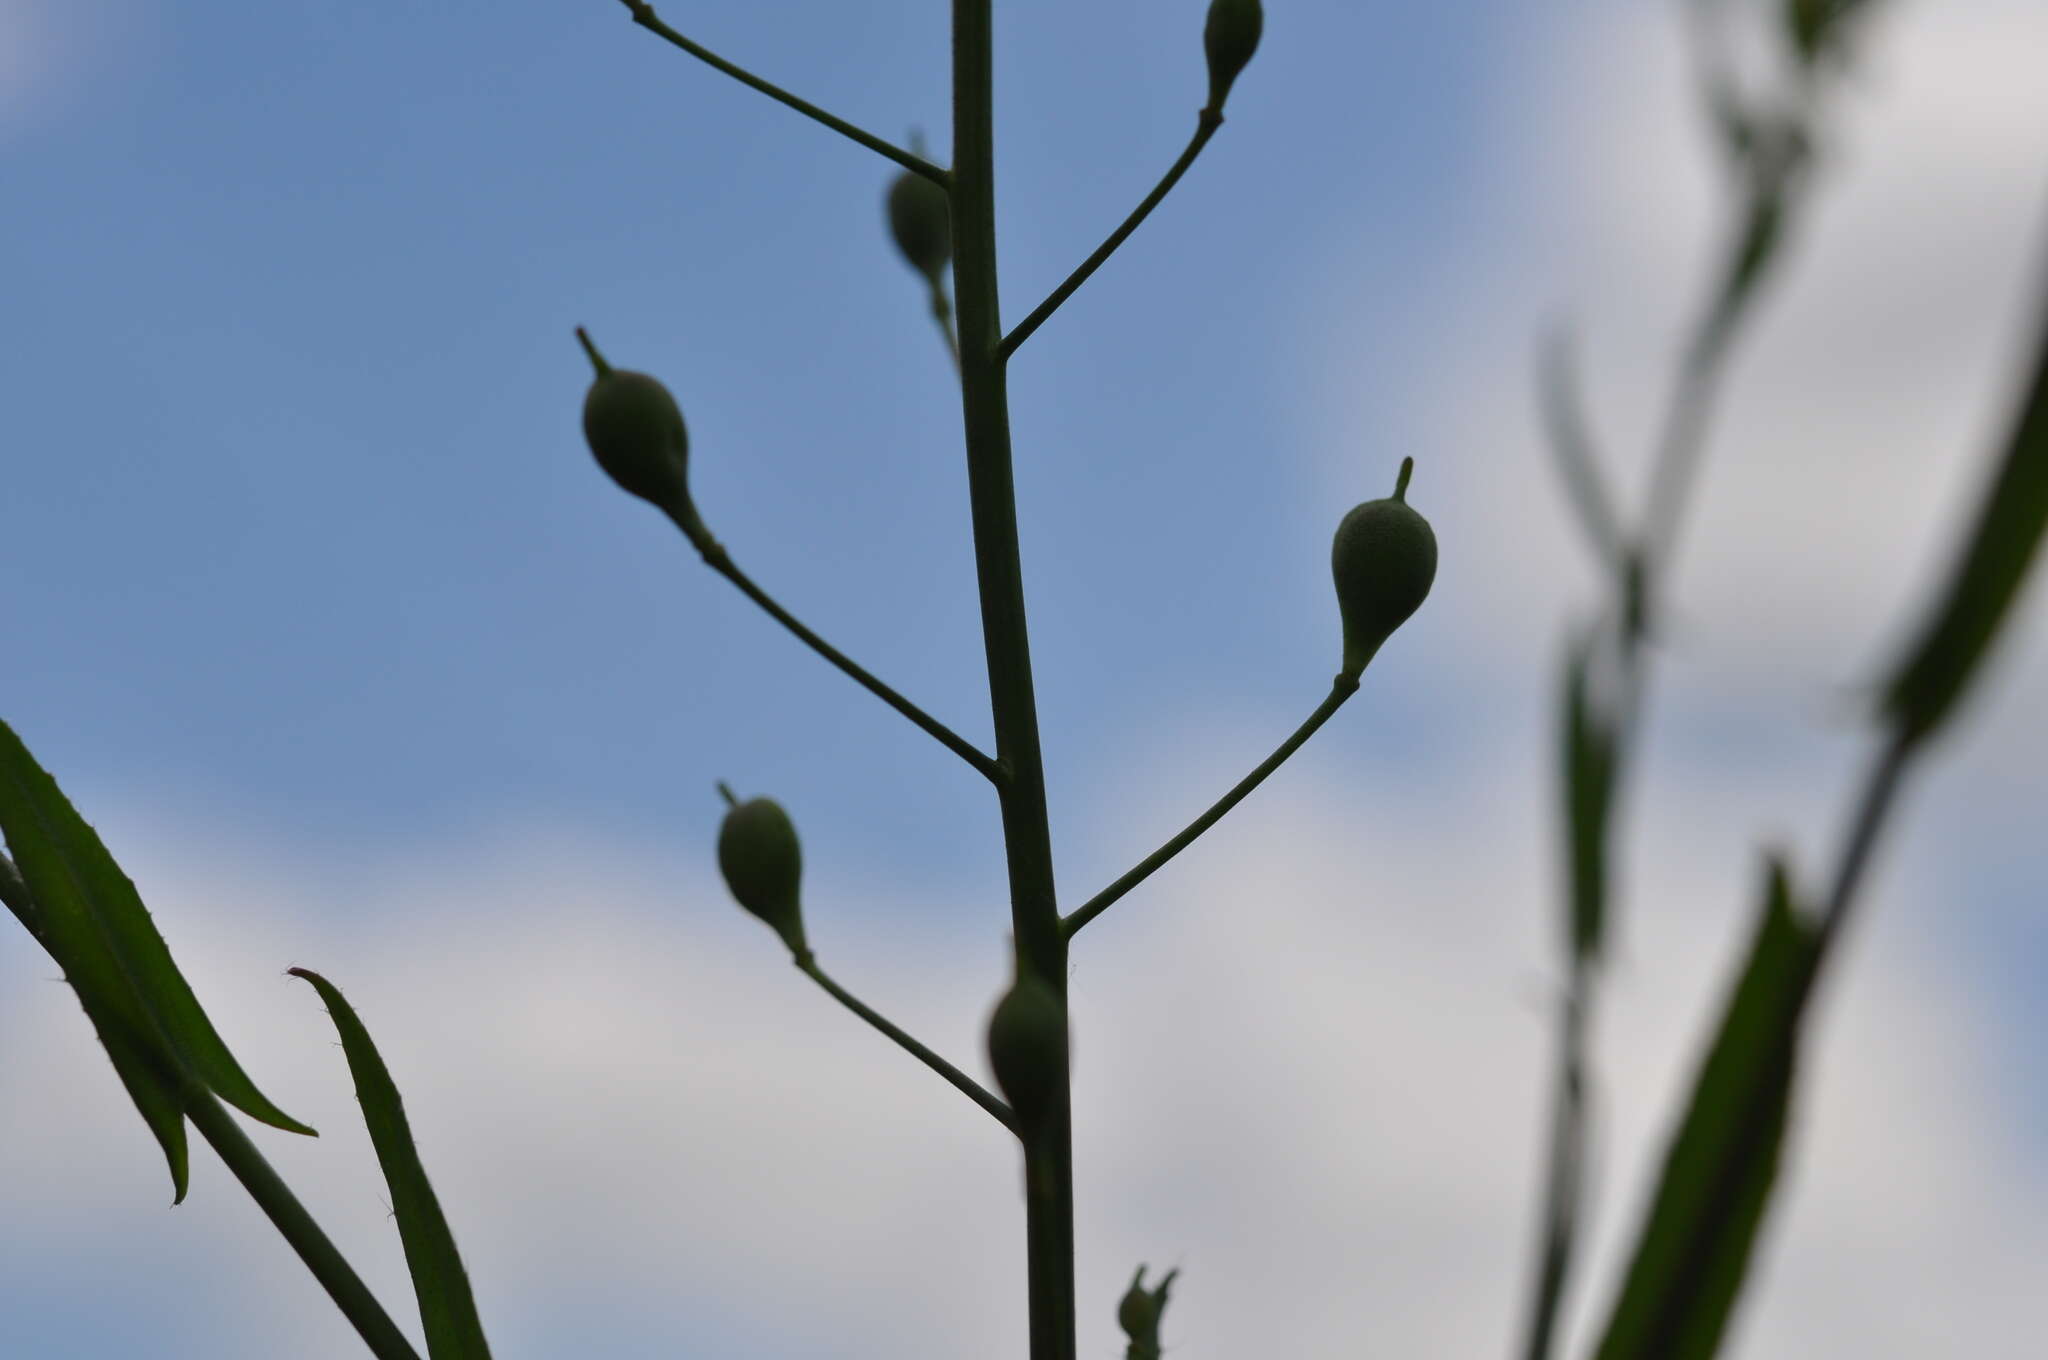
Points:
[[51, 54], [1859, 412], [21, 39], [1309, 1071], [1355, 997]]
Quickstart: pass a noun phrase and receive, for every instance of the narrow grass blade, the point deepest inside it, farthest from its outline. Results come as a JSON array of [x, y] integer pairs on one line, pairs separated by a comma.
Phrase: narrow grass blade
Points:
[[1564, 1181], [1693, 1254], [1570, 438], [1754, 247], [447, 1310], [87, 914], [1588, 780], [1988, 573]]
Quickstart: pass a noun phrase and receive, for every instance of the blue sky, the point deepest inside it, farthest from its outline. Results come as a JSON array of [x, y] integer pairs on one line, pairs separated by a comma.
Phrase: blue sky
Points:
[[343, 261], [321, 612]]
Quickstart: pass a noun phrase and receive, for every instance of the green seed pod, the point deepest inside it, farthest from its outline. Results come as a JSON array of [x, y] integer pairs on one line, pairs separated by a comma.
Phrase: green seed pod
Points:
[[1026, 1041], [761, 861], [922, 223], [1229, 38], [636, 431], [1384, 560], [1139, 1313]]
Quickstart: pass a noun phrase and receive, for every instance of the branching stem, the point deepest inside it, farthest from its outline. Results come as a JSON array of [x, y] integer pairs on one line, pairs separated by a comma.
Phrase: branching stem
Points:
[[644, 15], [1341, 689], [1205, 128], [965, 1084], [720, 561]]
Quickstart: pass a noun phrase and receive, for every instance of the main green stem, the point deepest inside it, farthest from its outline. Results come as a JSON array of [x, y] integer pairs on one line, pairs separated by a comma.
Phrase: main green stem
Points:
[[1027, 837]]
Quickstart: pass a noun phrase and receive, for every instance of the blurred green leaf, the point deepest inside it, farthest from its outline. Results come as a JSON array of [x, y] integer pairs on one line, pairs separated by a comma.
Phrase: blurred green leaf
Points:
[[1728, 113], [1695, 1246], [1571, 443], [1564, 1189], [1806, 23], [447, 1309], [1754, 246], [87, 914], [1988, 573], [1818, 28], [1588, 778]]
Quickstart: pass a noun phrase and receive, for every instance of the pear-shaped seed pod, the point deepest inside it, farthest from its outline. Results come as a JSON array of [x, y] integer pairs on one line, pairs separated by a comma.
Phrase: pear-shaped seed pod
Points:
[[1138, 1312], [762, 863], [1229, 38], [922, 224], [1026, 1041], [1384, 561], [636, 432]]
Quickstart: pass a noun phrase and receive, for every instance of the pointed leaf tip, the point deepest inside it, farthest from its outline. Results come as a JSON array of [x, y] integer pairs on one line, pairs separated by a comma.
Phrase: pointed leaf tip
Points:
[[447, 1308], [93, 923]]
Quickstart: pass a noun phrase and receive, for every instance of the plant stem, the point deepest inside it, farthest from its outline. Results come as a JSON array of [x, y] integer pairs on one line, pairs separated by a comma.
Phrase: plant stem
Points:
[[966, 1085], [1205, 128], [1027, 837], [1341, 689], [282, 1207], [1639, 566], [1873, 806], [1638, 561], [720, 561], [1747, 252], [1564, 1184], [644, 15], [1570, 440]]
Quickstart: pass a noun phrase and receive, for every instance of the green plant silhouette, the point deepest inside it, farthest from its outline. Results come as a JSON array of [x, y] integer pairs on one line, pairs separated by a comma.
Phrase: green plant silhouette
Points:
[[1693, 1248]]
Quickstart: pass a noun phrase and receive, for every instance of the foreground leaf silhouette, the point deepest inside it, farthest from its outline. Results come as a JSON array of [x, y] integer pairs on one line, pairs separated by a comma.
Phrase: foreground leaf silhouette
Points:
[[447, 1309], [1694, 1251], [85, 911]]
